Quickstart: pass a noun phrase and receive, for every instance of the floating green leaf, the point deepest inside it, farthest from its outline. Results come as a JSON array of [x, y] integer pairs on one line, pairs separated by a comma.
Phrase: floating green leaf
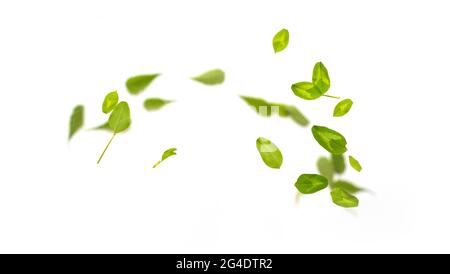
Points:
[[166, 154], [110, 101], [280, 40], [296, 115], [347, 186], [76, 120], [342, 107], [306, 90], [311, 183], [354, 163], [329, 139], [155, 103], [137, 84], [325, 167], [212, 77], [338, 163], [269, 152], [104, 126], [343, 198], [320, 77]]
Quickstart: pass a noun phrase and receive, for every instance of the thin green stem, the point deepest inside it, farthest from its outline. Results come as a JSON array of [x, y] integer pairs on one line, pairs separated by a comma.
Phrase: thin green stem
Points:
[[103, 153], [332, 96]]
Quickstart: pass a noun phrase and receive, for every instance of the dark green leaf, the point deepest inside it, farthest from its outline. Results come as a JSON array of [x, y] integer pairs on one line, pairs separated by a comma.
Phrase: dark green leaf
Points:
[[311, 183], [338, 163], [342, 108], [280, 40], [306, 90], [320, 77], [110, 102], [76, 120], [325, 167], [343, 198], [329, 139], [155, 103], [166, 154], [269, 152], [354, 163], [120, 118], [347, 186], [212, 77], [137, 84]]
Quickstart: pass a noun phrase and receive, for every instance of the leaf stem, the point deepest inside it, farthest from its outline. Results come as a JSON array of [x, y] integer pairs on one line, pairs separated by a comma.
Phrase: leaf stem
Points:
[[103, 153], [332, 96]]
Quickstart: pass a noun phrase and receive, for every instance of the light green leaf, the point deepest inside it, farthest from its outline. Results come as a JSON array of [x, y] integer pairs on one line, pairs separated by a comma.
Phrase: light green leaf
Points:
[[76, 120], [269, 152], [306, 90], [155, 103], [120, 118], [166, 154], [354, 163], [338, 163], [261, 106], [320, 77], [342, 107], [281, 40], [343, 198], [325, 168], [311, 183], [329, 139], [104, 126], [137, 84], [212, 77], [347, 186], [110, 101], [296, 115]]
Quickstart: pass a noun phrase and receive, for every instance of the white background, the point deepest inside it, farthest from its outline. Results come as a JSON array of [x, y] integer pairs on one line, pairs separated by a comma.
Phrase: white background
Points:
[[390, 57]]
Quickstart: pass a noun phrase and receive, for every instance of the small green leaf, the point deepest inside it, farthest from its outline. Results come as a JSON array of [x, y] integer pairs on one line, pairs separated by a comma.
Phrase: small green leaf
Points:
[[320, 77], [269, 152], [325, 167], [306, 90], [296, 115], [354, 163], [311, 183], [76, 120], [261, 106], [329, 139], [338, 163], [137, 84], [342, 107], [104, 126], [155, 103], [212, 77], [166, 154], [343, 198], [347, 186], [120, 118], [281, 40], [110, 101]]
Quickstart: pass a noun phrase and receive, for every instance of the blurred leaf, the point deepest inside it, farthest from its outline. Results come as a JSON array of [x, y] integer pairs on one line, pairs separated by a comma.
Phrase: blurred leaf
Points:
[[320, 77], [269, 152], [76, 120], [338, 163], [347, 186], [354, 163], [166, 154], [311, 183], [306, 90], [296, 115], [212, 77], [342, 108], [343, 198], [110, 101], [137, 84], [281, 40], [329, 139], [155, 103], [104, 126], [325, 167]]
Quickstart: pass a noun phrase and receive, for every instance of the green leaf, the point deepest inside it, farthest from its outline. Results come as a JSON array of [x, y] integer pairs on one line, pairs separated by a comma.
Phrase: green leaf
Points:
[[110, 101], [329, 139], [343, 198], [166, 154], [347, 186], [354, 163], [306, 90], [342, 107], [320, 77], [104, 126], [261, 106], [212, 77], [155, 103], [281, 40], [338, 163], [296, 115], [269, 152], [120, 118], [76, 120], [311, 183], [137, 84], [325, 167]]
